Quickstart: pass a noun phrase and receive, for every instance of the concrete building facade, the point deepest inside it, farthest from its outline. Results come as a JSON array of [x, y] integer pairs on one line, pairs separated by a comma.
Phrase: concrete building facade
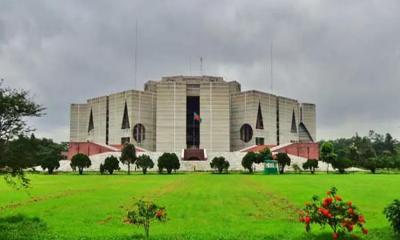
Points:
[[192, 112]]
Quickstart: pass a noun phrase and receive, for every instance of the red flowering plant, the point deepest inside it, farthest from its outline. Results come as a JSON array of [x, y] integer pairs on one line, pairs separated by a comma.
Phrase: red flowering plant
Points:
[[342, 217], [144, 213]]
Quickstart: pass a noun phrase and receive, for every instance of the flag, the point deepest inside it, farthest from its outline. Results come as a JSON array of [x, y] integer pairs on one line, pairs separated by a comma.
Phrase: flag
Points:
[[196, 117]]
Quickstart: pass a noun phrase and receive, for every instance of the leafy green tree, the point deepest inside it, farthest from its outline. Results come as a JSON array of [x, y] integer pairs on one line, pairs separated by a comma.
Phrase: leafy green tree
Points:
[[20, 153], [327, 154], [390, 144], [168, 161], [341, 164], [262, 155], [248, 160], [220, 164], [15, 106], [111, 164], [80, 161], [128, 155], [311, 164], [49, 154], [144, 162], [283, 160], [144, 213]]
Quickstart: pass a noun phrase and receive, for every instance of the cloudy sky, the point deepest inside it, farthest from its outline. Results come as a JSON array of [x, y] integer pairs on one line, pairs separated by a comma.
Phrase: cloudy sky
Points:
[[342, 55]]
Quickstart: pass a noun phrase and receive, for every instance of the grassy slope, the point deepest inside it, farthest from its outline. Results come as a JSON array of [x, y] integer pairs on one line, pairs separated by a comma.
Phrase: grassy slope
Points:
[[200, 206]]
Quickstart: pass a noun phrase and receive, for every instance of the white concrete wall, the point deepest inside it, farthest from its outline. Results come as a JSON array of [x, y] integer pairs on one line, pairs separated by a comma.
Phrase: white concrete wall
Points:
[[234, 158], [79, 122], [98, 107], [171, 116], [309, 118], [244, 109], [215, 114], [286, 107]]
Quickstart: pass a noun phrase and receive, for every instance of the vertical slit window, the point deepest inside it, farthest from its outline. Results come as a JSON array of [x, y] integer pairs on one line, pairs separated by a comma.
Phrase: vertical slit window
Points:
[[293, 128], [139, 133], [91, 123], [260, 122], [125, 118]]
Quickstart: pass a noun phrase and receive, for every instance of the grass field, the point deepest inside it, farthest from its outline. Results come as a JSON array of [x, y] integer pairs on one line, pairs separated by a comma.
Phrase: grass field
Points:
[[199, 205]]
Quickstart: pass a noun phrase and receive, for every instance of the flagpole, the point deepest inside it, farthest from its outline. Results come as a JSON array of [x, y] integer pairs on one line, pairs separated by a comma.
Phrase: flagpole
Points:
[[193, 132]]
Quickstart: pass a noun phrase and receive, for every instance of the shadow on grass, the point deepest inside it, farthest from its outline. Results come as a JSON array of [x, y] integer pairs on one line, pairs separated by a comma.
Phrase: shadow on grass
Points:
[[21, 227]]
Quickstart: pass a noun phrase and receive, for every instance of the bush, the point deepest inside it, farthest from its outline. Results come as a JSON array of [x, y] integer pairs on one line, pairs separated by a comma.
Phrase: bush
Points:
[[341, 164], [144, 214], [50, 164], [220, 164], [168, 161], [111, 164], [80, 161], [144, 162], [248, 160], [340, 216], [311, 164], [392, 213], [283, 160]]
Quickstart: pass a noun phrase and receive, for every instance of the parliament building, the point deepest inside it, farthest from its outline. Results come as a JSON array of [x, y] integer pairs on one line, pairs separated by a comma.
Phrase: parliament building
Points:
[[192, 113]]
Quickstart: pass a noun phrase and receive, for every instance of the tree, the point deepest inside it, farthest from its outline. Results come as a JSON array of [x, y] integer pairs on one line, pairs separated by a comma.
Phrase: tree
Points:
[[262, 155], [144, 162], [145, 213], [283, 160], [327, 154], [168, 161], [111, 164], [15, 107], [220, 164], [49, 154], [248, 160], [390, 144], [341, 164], [80, 161], [311, 164], [128, 155], [20, 153]]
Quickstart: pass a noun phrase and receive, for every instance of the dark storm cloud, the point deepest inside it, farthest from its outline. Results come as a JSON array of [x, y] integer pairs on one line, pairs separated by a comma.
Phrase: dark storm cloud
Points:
[[342, 55]]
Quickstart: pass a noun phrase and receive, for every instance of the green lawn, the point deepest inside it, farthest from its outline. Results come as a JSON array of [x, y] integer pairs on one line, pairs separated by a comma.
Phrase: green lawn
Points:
[[199, 205]]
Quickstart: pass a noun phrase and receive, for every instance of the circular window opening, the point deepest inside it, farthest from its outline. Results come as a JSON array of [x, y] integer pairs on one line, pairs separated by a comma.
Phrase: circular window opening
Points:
[[246, 133], [139, 133]]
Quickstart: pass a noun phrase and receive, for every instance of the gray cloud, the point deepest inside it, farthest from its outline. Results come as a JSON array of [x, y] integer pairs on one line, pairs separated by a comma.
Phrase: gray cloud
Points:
[[342, 55]]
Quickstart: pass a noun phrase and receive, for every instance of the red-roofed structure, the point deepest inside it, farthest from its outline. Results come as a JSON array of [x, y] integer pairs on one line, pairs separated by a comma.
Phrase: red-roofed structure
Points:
[[90, 148], [309, 150]]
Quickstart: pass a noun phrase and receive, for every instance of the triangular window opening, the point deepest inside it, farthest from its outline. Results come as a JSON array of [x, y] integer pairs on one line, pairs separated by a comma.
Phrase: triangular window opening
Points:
[[91, 124], [260, 122], [294, 128], [125, 118]]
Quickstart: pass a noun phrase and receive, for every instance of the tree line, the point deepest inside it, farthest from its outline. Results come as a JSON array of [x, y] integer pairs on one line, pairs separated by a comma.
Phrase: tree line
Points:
[[372, 152]]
